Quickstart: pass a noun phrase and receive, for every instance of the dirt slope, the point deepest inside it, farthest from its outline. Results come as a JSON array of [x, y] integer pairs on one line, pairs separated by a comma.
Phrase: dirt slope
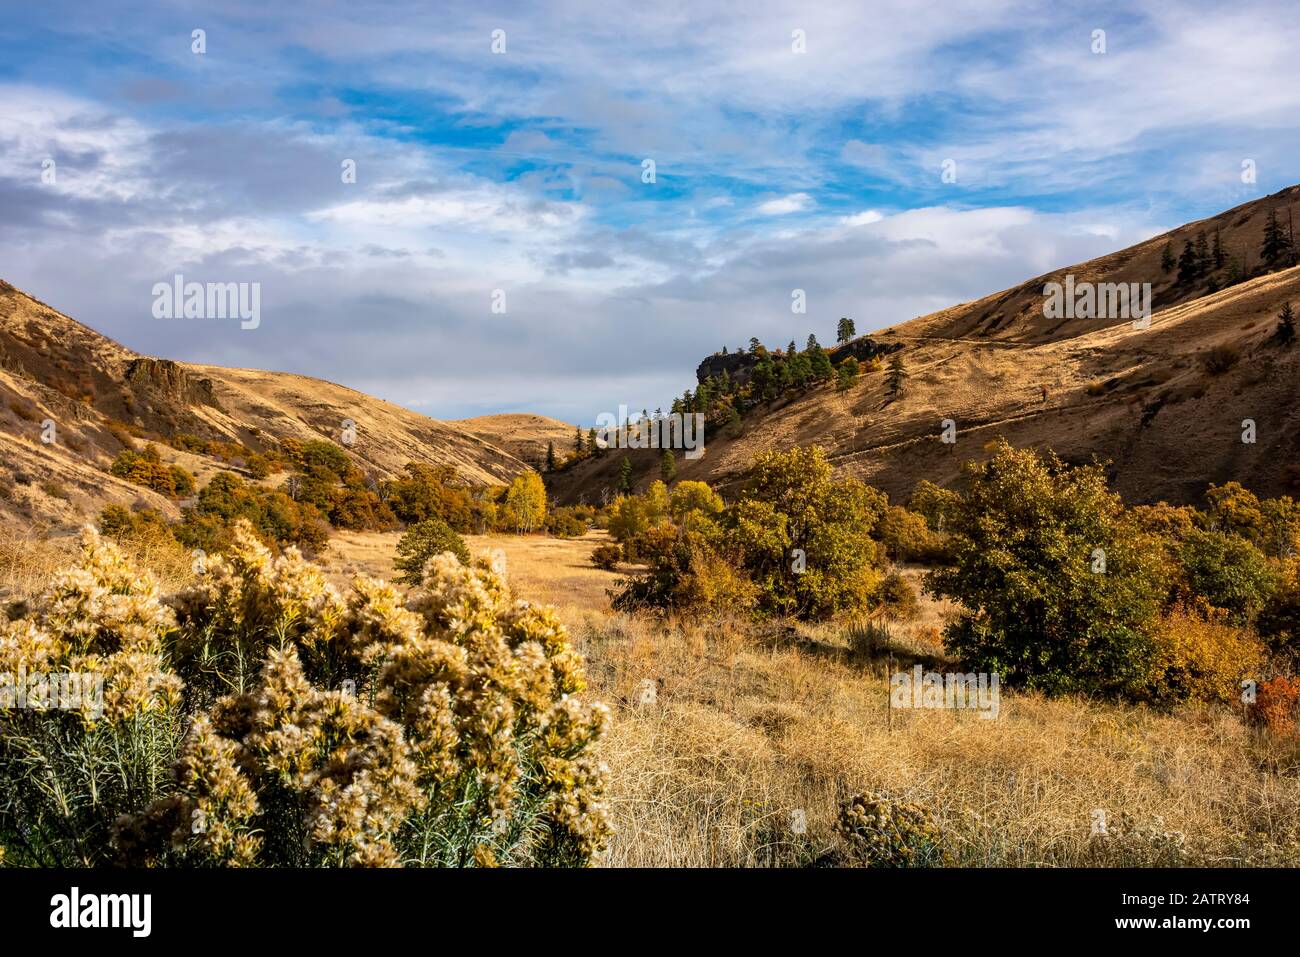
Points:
[[523, 435]]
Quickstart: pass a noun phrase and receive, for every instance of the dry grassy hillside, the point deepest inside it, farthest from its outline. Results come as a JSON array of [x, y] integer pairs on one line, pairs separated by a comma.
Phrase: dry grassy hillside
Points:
[[94, 390], [523, 435], [1165, 404]]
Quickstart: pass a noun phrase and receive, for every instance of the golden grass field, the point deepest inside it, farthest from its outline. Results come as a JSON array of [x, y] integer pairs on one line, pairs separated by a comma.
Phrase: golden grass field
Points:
[[747, 726]]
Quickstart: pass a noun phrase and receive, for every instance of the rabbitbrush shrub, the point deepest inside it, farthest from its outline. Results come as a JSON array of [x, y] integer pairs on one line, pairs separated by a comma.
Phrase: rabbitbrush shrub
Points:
[[437, 727], [66, 773], [882, 832]]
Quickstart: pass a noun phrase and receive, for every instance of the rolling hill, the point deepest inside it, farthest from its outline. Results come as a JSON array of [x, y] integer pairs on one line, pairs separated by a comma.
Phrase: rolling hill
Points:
[[1164, 404], [95, 391]]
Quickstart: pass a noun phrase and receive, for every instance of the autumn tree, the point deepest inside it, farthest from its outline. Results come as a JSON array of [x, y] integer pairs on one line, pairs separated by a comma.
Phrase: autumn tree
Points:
[[526, 502]]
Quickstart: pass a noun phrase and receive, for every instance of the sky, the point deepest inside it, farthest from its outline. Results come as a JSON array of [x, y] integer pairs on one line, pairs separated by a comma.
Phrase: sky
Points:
[[504, 246]]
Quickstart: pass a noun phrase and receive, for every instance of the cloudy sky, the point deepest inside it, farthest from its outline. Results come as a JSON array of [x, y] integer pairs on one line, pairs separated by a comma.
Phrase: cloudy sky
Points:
[[523, 171]]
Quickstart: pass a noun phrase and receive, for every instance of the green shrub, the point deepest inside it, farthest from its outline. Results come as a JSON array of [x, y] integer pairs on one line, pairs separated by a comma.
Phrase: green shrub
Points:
[[421, 542], [1227, 571], [1026, 542]]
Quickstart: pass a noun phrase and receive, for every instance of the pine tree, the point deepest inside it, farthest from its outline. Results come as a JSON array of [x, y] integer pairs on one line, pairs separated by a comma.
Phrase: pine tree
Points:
[[1276, 244], [897, 373], [1202, 254], [592, 443], [1167, 260], [625, 476], [1220, 256], [577, 442], [1188, 268], [845, 331], [667, 466], [848, 372], [550, 456], [1286, 325], [812, 342]]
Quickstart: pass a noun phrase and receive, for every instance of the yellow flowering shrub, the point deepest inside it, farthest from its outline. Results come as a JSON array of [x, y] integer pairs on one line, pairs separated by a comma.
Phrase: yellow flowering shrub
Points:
[[882, 832], [89, 715], [263, 717], [438, 727]]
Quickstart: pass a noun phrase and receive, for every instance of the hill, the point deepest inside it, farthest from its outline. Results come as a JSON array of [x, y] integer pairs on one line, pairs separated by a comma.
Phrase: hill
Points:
[[523, 435], [98, 394], [1165, 404]]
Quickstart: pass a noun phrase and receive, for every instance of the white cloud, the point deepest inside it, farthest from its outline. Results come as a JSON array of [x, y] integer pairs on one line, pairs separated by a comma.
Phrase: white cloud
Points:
[[784, 205]]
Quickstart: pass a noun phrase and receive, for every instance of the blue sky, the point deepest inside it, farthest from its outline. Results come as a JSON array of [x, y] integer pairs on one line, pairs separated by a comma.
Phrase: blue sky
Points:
[[521, 171]]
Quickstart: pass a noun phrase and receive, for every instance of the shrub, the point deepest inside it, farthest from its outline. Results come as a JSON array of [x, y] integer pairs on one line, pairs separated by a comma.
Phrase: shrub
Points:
[[69, 772], [1276, 704], [146, 525], [420, 543], [227, 498], [895, 598], [790, 504], [259, 466], [439, 729], [606, 556], [1228, 572], [907, 537], [146, 468], [1201, 656], [882, 832], [563, 523], [430, 491], [55, 490], [1219, 359], [687, 576], [1025, 542], [1279, 620]]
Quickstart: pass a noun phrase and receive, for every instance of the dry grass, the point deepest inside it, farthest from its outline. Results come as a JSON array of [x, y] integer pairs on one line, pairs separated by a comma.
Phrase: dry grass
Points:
[[749, 725], [28, 562]]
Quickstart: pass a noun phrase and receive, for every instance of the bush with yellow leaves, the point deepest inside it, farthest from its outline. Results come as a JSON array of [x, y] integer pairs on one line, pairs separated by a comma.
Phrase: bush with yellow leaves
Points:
[[1200, 655], [435, 727]]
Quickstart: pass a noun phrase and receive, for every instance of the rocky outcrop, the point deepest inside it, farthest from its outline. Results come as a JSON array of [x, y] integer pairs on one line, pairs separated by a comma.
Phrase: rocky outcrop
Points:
[[166, 379]]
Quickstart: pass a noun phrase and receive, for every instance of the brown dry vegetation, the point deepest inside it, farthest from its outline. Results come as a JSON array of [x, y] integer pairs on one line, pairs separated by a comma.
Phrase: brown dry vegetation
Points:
[[747, 727]]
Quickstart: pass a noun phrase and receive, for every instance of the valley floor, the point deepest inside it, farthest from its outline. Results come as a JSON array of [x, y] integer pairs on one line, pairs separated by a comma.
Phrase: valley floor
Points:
[[744, 729], [722, 733]]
